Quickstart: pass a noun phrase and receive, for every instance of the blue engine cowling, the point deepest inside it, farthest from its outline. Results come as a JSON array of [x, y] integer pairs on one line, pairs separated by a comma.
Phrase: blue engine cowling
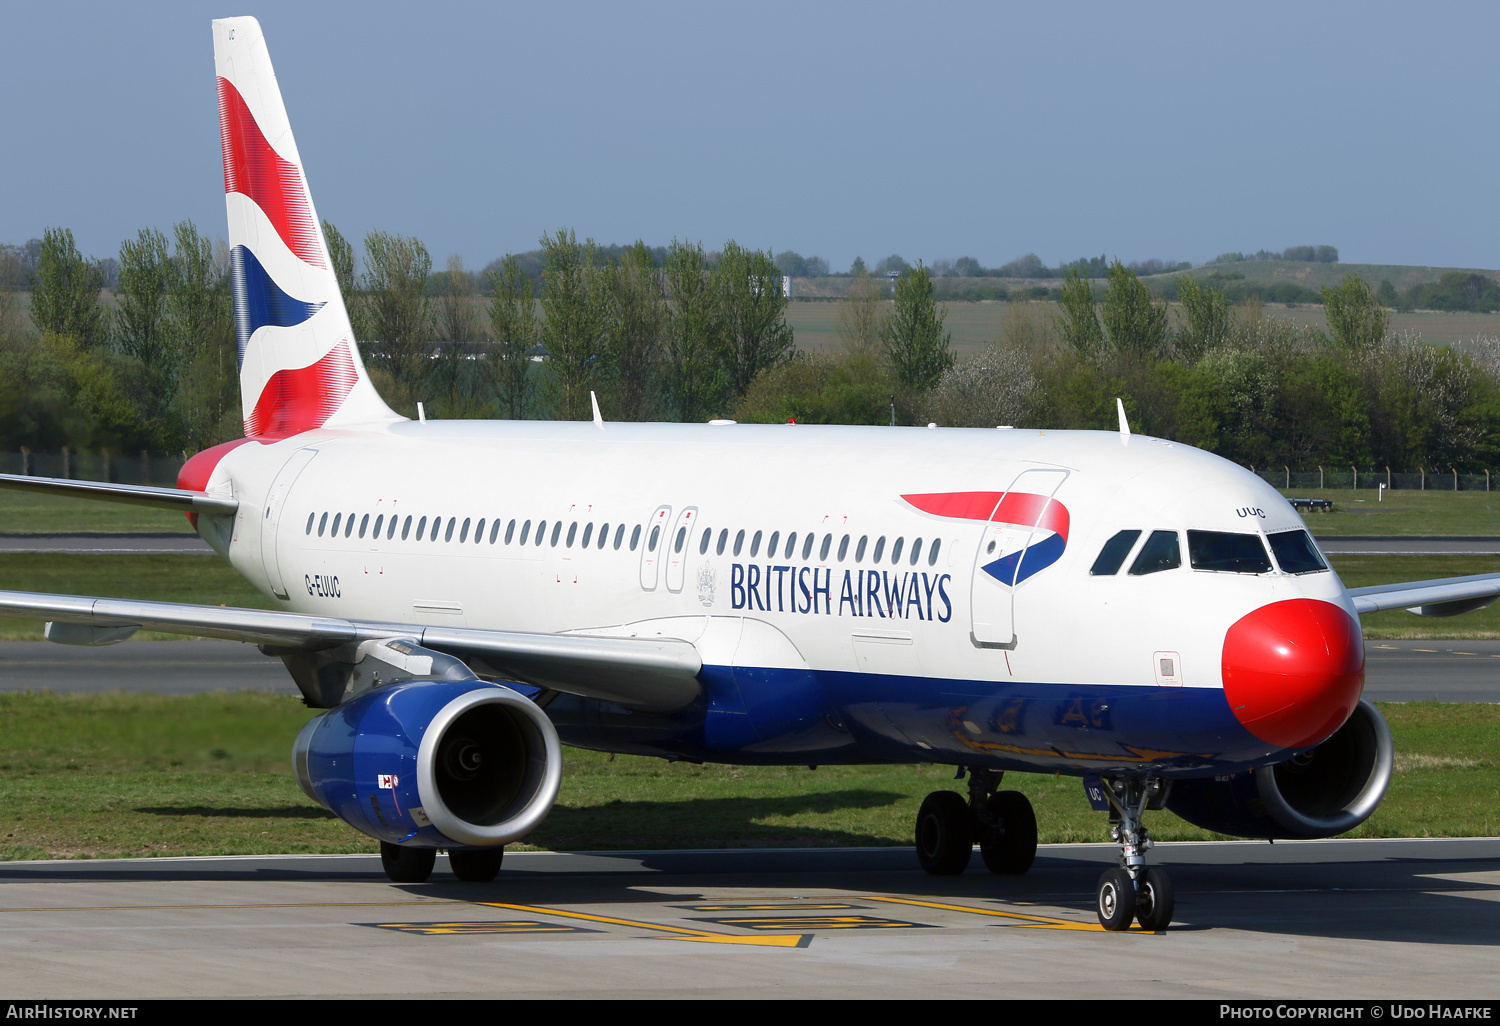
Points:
[[1327, 790], [433, 763]]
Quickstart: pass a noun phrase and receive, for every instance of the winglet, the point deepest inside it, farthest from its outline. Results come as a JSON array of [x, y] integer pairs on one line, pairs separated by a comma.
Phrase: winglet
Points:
[[598, 420], [1124, 424]]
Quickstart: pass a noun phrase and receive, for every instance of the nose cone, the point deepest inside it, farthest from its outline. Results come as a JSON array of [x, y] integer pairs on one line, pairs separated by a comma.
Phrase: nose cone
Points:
[[1293, 671]]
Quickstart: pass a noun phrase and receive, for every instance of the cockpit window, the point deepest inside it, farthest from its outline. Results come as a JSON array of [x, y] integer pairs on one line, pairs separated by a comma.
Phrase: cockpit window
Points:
[[1228, 553], [1296, 553], [1112, 556], [1161, 552]]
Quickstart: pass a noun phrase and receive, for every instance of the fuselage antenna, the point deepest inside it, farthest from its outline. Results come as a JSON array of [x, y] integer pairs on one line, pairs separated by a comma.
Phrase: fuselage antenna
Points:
[[1124, 424], [598, 420]]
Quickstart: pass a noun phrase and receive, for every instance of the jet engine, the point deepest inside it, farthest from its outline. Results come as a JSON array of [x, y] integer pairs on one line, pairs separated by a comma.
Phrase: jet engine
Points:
[[1329, 789], [434, 763]]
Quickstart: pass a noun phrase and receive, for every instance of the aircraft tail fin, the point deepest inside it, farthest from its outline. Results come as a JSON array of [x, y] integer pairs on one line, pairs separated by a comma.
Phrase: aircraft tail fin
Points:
[[300, 366]]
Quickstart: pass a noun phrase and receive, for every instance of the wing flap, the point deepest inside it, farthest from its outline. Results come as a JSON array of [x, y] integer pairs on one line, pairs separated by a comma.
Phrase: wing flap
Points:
[[135, 495], [656, 674], [1445, 596]]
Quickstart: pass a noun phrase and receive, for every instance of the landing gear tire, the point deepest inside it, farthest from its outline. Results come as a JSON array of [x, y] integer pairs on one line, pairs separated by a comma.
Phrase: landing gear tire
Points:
[[1154, 900], [945, 834], [407, 865], [1115, 900], [1008, 847], [476, 865]]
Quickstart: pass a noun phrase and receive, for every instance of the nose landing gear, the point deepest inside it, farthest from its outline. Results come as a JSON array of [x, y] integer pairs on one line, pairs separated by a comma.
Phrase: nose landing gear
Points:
[[1132, 891], [1001, 821]]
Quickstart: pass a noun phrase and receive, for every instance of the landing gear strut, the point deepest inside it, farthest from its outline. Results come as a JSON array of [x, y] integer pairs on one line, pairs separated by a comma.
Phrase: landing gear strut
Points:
[[1001, 821], [1131, 891]]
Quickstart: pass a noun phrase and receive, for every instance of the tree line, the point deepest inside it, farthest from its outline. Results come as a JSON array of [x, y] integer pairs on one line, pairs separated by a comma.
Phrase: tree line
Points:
[[687, 334]]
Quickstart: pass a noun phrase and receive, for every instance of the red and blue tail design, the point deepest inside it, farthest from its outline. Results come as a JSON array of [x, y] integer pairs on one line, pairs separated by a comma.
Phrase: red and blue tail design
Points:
[[300, 367], [1047, 518]]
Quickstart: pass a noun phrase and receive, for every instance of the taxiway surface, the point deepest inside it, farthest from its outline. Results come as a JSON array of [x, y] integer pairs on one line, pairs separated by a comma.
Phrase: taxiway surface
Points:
[[1395, 671], [1353, 919]]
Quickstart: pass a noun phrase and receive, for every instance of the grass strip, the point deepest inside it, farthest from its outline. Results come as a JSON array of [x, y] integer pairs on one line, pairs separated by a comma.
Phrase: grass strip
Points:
[[113, 775]]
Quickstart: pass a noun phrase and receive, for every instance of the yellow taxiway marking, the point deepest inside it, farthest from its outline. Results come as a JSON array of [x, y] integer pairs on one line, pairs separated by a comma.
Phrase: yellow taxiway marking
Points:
[[482, 926], [270, 904], [790, 940], [769, 906], [816, 923], [1424, 650], [1019, 919]]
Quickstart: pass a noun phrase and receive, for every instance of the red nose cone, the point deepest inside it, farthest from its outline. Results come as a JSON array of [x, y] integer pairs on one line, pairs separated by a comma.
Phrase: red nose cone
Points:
[[1293, 671]]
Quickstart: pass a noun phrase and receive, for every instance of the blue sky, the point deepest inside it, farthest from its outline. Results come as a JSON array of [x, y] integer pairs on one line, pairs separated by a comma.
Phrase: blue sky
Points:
[[1177, 130]]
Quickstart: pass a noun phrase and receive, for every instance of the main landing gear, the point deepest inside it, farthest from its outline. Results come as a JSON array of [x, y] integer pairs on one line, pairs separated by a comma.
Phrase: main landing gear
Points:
[[1001, 821], [1131, 891], [414, 865]]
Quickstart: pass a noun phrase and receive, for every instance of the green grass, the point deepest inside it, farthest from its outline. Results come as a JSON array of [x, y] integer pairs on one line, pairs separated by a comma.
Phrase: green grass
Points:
[[205, 580], [1403, 512], [96, 776], [27, 513]]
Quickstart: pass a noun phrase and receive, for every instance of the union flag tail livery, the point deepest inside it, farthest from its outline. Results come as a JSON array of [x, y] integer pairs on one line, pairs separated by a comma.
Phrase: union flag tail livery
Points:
[[299, 366]]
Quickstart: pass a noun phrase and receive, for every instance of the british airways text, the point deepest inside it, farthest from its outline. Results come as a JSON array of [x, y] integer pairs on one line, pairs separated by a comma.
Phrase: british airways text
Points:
[[810, 589]]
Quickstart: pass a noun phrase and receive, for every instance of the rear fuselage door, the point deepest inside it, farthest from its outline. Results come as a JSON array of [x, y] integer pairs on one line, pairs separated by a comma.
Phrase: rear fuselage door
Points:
[[653, 544], [1018, 531], [678, 547], [276, 498]]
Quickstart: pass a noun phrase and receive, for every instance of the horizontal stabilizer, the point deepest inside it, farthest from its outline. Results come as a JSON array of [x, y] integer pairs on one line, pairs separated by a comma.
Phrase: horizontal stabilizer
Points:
[[1447, 596], [135, 495], [657, 674]]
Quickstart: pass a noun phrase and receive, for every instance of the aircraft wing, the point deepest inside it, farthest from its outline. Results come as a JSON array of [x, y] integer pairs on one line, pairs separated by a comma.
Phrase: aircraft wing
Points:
[[1447, 596], [135, 495], [656, 674]]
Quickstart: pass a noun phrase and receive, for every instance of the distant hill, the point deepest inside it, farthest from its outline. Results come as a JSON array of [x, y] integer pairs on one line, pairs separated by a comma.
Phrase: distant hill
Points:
[[1317, 275]]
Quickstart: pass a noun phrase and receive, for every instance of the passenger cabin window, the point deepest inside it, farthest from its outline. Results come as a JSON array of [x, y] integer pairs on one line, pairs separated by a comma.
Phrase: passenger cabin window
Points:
[[1296, 553], [310, 518], [896, 551], [1112, 556], [379, 525], [916, 551], [405, 528], [390, 531], [755, 545], [879, 549], [421, 528], [620, 535], [859, 550], [807, 545], [708, 533], [1161, 552], [588, 536], [557, 532], [932, 553], [723, 540], [364, 522], [823, 549], [334, 533], [681, 537], [572, 533], [541, 531], [655, 534], [843, 547], [635, 538], [739, 541], [1227, 553]]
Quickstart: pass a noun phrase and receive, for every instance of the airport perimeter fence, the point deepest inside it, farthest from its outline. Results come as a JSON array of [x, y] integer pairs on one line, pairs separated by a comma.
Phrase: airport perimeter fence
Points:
[[1425, 480], [142, 468]]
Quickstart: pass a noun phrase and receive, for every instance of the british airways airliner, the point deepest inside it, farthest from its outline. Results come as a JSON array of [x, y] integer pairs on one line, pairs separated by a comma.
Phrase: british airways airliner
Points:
[[463, 598]]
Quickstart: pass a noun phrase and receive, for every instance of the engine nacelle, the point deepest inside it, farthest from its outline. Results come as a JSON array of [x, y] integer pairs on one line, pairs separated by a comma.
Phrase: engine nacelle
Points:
[[1327, 790], [435, 763]]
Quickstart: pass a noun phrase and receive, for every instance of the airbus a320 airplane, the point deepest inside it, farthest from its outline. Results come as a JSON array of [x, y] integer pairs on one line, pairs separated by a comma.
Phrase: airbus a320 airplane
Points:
[[465, 597]]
